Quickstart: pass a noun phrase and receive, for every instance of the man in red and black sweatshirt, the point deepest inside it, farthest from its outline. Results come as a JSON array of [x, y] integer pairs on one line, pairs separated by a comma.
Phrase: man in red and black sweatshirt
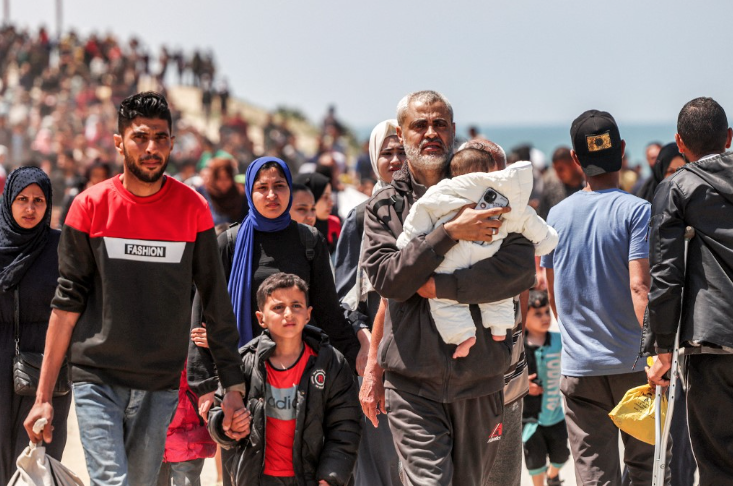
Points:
[[130, 248]]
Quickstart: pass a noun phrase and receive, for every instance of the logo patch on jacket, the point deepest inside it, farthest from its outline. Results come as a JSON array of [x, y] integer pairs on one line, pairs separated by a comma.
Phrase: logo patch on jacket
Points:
[[318, 378], [496, 434]]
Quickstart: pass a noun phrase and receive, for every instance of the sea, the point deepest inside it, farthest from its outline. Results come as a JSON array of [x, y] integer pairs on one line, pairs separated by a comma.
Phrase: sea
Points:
[[546, 138]]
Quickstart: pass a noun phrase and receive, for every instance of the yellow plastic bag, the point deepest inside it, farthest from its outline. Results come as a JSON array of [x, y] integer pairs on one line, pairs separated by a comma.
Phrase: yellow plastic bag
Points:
[[635, 413]]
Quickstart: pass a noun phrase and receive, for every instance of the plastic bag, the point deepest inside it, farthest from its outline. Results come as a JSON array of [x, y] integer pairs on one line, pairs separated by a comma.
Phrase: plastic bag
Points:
[[35, 468], [635, 413]]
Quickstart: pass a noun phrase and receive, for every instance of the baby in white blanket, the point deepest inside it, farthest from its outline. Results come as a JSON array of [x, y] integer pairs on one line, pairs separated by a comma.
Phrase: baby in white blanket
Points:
[[441, 203]]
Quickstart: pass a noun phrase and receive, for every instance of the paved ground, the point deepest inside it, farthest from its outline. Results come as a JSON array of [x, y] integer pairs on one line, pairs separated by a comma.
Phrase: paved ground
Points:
[[74, 459]]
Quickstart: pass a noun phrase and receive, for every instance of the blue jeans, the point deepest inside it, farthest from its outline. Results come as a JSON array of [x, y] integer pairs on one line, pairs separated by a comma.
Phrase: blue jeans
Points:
[[123, 432]]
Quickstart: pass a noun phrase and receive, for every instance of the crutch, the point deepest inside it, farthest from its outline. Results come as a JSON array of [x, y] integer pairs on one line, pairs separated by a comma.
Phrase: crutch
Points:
[[661, 434]]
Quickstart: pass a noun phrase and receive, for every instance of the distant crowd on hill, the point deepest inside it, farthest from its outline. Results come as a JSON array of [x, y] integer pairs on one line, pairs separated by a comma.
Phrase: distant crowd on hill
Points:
[[58, 110]]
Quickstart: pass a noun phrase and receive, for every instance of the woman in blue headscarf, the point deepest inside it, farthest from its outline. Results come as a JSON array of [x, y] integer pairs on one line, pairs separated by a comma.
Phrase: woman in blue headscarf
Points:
[[265, 243], [28, 273]]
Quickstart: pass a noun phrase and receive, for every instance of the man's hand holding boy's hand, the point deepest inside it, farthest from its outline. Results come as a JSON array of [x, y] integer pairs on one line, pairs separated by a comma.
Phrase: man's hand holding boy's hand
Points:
[[240, 424], [231, 405]]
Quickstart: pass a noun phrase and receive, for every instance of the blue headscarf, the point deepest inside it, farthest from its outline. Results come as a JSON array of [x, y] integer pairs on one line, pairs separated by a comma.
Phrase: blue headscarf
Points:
[[240, 279]]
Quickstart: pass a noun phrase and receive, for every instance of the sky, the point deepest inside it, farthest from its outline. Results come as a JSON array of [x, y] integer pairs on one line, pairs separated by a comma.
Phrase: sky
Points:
[[500, 63]]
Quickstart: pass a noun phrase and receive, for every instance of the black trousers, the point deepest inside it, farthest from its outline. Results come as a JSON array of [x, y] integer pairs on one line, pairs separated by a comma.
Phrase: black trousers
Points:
[[682, 466], [709, 406], [594, 437], [443, 444]]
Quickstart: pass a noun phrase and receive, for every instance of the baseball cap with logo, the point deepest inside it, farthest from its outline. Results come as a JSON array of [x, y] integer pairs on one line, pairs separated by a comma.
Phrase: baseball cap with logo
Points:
[[597, 142]]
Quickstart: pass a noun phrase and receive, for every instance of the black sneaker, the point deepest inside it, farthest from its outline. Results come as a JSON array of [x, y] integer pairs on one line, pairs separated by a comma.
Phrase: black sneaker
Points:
[[556, 481]]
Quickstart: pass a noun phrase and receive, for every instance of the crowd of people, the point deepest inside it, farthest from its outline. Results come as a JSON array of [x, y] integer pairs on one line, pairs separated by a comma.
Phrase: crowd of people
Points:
[[58, 102], [392, 331]]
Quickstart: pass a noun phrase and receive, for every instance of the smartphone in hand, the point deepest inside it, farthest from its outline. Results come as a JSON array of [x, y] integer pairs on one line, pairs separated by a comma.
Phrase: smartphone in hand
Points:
[[492, 199]]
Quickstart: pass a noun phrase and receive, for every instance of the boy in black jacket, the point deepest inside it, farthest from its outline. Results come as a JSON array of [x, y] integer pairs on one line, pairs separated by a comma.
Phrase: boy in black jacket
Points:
[[302, 423]]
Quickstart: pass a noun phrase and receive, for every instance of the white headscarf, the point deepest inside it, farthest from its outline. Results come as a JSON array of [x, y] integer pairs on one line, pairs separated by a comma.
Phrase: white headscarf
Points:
[[383, 130], [387, 128]]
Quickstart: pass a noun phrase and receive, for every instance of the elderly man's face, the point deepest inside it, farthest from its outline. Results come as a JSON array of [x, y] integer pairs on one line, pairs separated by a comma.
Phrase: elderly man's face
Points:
[[427, 135]]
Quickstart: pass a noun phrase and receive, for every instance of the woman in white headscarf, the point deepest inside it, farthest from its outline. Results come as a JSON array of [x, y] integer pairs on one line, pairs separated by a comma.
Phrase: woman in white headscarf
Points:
[[377, 460], [385, 152], [387, 155]]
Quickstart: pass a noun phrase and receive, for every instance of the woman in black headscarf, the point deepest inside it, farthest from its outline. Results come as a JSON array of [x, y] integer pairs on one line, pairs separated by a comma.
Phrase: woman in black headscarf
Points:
[[668, 161], [328, 224], [28, 263]]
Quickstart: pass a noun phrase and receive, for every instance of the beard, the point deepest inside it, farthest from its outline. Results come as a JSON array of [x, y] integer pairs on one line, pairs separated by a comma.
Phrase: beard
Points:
[[430, 162], [140, 173]]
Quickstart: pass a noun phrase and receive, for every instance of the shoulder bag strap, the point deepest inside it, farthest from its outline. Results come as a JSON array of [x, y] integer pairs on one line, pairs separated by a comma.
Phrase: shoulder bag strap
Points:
[[16, 318]]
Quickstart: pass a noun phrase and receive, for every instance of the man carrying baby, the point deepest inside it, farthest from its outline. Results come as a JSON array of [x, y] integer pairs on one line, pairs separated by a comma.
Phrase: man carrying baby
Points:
[[471, 182], [445, 414]]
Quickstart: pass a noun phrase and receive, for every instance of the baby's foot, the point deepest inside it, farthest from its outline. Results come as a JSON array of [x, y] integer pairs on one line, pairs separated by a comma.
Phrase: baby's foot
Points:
[[498, 338], [463, 348]]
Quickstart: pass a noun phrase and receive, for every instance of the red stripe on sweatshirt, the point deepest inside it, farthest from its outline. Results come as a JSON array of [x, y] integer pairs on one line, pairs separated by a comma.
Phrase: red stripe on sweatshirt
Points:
[[108, 209]]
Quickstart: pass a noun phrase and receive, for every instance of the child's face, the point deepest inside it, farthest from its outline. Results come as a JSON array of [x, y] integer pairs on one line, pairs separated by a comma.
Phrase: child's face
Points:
[[285, 313], [538, 320]]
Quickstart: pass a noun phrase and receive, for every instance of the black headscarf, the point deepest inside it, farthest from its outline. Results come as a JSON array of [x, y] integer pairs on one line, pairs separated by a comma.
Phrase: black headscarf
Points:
[[19, 247], [315, 182], [666, 155]]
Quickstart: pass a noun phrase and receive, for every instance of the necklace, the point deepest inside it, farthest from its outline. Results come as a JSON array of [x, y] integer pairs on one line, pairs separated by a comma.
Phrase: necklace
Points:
[[281, 365]]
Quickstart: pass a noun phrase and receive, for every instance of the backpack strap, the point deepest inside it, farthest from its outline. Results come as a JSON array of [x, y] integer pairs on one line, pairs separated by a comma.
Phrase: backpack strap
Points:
[[397, 200], [308, 238], [231, 241], [360, 210]]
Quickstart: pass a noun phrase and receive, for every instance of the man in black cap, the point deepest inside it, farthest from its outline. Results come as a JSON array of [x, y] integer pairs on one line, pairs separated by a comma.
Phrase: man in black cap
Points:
[[698, 195], [598, 281]]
